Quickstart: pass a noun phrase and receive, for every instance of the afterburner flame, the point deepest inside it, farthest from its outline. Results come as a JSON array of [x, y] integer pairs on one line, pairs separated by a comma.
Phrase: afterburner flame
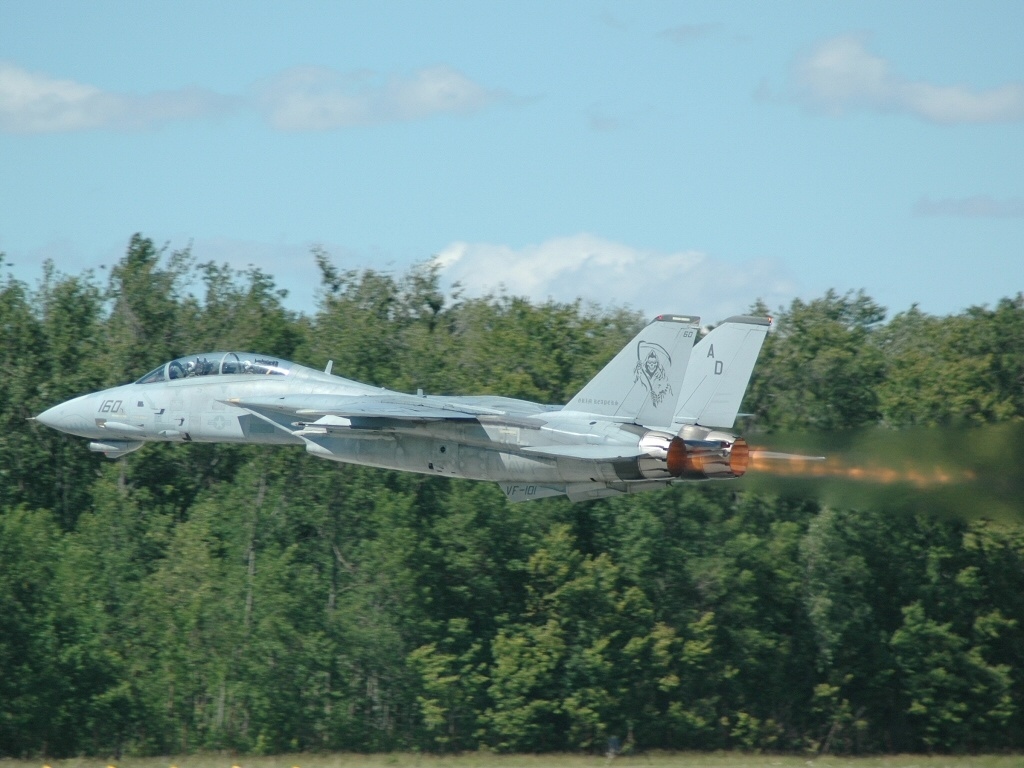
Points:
[[677, 459], [739, 457], [919, 477]]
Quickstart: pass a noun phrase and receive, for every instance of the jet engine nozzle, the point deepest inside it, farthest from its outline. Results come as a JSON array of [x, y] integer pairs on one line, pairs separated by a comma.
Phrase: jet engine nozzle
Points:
[[665, 456], [713, 454]]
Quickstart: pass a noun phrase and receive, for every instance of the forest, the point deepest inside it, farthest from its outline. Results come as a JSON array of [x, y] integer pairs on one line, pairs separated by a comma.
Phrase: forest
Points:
[[260, 600]]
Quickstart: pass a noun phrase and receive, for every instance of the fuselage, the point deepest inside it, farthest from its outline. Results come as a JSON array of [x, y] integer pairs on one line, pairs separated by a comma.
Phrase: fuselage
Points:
[[190, 408], [653, 415], [249, 398]]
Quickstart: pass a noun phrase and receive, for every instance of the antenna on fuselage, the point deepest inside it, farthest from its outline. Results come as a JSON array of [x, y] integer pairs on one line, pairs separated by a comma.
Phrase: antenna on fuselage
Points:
[[330, 366]]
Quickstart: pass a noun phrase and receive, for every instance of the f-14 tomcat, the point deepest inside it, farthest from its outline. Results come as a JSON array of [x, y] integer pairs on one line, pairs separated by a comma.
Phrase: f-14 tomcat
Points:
[[657, 414]]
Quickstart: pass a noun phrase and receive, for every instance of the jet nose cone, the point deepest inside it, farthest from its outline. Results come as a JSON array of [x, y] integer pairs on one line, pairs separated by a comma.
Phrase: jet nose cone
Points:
[[50, 417], [70, 417]]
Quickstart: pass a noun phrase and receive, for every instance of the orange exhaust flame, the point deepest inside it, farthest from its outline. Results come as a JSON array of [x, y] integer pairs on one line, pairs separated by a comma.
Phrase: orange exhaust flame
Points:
[[833, 468], [960, 471]]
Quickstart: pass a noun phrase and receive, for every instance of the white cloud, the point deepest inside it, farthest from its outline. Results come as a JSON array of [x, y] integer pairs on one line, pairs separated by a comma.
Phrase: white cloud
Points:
[[979, 206], [36, 103], [298, 99], [613, 274], [320, 99], [840, 75]]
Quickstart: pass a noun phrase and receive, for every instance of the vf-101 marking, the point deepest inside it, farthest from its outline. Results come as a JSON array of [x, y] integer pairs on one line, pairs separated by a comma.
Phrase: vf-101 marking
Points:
[[657, 414]]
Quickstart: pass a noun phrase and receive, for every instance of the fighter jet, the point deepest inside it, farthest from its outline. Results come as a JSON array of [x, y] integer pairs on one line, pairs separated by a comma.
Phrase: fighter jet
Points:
[[656, 415]]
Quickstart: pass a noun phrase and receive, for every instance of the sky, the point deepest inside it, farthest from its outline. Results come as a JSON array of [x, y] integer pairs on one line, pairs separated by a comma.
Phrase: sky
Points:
[[688, 157]]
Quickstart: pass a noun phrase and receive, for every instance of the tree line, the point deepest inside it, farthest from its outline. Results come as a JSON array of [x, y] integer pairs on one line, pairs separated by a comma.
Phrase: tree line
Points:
[[196, 597]]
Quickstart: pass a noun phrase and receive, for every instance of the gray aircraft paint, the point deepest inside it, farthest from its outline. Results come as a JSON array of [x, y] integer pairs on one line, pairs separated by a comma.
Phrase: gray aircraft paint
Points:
[[643, 381], [616, 436], [719, 372]]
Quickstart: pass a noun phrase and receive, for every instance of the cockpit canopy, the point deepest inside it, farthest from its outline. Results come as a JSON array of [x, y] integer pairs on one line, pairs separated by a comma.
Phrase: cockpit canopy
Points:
[[218, 364]]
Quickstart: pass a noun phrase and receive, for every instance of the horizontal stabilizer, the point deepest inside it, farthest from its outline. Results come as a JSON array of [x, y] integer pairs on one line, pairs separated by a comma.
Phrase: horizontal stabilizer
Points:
[[596, 490]]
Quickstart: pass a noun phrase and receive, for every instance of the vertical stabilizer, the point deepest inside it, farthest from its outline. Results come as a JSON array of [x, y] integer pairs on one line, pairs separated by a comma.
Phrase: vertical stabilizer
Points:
[[719, 372], [642, 383]]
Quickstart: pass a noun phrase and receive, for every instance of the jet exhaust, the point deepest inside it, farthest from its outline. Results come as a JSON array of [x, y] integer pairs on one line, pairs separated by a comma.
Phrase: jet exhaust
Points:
[[666, 456], [697, 453], [713, 454]]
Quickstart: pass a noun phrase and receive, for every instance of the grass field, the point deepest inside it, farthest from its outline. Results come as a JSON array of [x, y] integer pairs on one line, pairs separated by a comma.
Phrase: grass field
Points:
[[485, 760]]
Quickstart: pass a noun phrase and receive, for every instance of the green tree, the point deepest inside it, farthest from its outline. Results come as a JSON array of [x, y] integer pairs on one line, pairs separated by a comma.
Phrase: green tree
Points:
[[71, 355], [258, 600], [818, 370], [962, 368], [571, 672], [32, 685], [149, 309], [107, 558], [243, 310], [21, 355], [956, 699], [450, 675]]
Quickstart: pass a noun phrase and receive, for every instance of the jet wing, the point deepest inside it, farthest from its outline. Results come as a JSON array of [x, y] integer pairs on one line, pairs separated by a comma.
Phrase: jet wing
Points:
[[358, 411]]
